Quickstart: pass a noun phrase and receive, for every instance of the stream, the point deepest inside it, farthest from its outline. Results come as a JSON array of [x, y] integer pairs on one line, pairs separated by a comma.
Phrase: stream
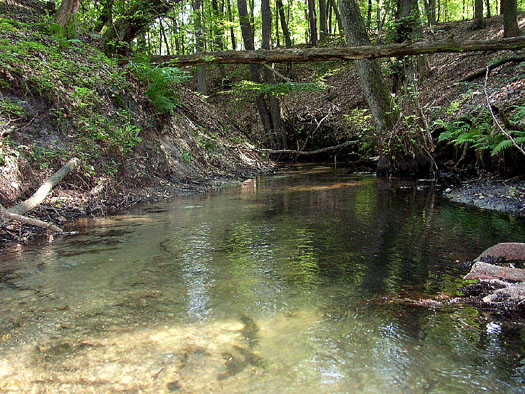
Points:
[[294, 282]]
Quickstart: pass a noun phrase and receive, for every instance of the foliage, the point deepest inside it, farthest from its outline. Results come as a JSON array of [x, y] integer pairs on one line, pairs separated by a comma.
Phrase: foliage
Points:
[[9, 107], [83, 89], [361, 120], [161, 83], [250, 90], [478, 131]]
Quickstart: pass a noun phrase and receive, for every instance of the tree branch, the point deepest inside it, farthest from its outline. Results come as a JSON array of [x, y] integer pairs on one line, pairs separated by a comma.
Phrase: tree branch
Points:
[[505, 133], [482, 72], [307, 153]]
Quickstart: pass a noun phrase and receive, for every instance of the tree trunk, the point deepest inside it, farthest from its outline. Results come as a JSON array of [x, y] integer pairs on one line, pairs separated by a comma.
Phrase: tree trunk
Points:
[[312, 20], [117, 39], [165, 37], [372, 83], [66, 13], [322, 20], [430, 9], [36, 199], [175, 29], [284, 24], [510, 18], [347, 53], [337, 16], [369, 14], [105, 15], [277, 32], [199, 46], [275, 107], [488, 8], [478, 14], [247, 37], [232, 30], [218, 33]]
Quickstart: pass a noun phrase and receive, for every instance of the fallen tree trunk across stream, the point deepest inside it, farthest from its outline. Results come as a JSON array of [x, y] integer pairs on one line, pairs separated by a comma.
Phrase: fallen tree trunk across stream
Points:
[[343, 53]]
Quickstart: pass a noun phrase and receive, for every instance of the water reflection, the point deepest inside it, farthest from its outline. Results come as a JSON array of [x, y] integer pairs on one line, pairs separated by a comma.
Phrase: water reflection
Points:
[[285, 283]]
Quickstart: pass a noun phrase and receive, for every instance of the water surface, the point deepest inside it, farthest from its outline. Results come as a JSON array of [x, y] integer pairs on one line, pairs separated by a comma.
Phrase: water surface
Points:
[[299, 282]]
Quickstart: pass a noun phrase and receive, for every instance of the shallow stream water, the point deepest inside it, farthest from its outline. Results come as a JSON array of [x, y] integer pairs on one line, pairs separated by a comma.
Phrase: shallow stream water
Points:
[[297, 282]]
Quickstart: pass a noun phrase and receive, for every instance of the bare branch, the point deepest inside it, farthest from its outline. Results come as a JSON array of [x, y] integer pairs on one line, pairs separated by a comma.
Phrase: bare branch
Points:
[[494, 116], [307, 153]]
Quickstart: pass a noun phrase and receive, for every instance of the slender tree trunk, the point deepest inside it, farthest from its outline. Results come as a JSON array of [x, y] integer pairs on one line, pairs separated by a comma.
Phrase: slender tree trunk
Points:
[[284, 23], [232, 30], [337, 16], [199, 46], [175, 29], [510, 18], [372, 83], [378, 17], [322, 20], [275, 106], [277, 35], [247, 37], [430, 9], [312, 20], [478, 14], [105, 15], [330, 27], [218, 33], [164, 36], [369, 14]]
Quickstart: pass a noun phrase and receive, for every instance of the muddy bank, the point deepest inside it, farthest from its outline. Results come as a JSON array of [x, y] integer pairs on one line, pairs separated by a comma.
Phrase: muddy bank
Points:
[[496, 194]]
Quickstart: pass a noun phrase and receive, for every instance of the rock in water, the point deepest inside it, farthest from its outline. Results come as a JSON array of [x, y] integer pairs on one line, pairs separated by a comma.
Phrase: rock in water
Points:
[[503, 252]]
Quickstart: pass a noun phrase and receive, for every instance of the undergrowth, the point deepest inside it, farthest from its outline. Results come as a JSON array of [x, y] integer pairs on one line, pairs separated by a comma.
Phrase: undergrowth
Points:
[[477, 130], [90, 99]]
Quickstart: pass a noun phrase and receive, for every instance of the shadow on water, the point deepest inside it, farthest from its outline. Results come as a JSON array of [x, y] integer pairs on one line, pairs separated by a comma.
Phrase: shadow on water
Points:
[[285, 283]]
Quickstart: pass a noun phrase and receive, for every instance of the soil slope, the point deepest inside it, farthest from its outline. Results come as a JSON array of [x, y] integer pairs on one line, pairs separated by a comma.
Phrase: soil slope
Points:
[[62, 98]]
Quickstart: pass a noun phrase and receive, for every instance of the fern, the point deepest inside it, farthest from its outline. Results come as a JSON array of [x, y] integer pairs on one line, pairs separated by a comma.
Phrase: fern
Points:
[[444, 136], [503, 145], [161, 83]]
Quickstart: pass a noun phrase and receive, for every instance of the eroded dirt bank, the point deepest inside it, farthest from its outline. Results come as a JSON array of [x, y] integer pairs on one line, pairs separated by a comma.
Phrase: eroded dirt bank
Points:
[[62, 98]]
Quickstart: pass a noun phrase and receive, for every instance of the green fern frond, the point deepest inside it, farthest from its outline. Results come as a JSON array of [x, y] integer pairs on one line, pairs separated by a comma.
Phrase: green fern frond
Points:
[[503, 145]]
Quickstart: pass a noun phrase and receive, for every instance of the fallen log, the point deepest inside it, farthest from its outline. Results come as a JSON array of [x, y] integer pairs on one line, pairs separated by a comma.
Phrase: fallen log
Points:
[[307, 153], [481, 73], [36, 199], [16, 212], [343, 53], [486, 271], [25, 219]]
